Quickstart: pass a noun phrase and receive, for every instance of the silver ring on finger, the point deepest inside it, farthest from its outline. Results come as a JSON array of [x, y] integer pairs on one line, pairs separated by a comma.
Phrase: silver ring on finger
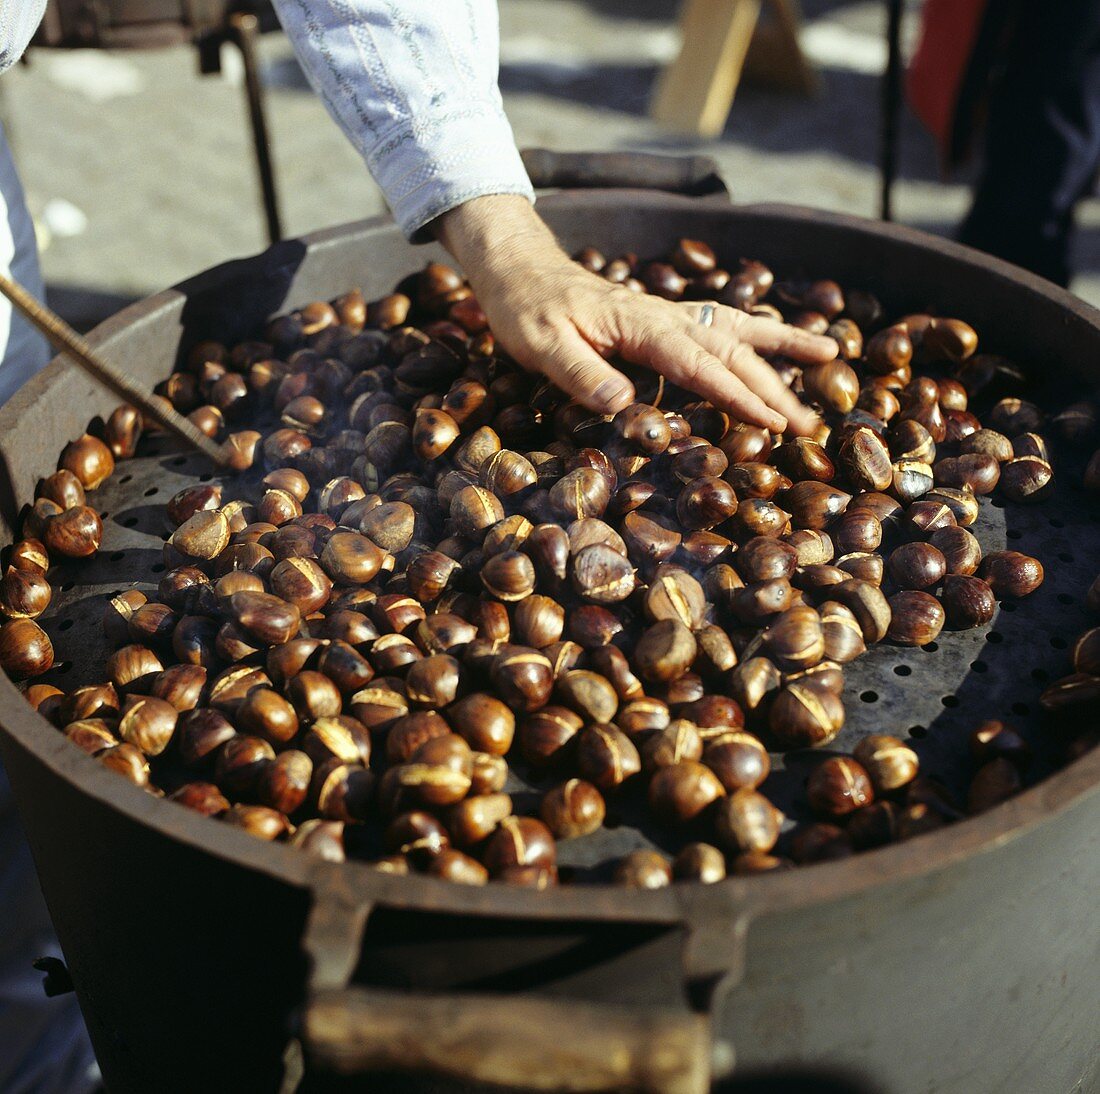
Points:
[[706, 314]]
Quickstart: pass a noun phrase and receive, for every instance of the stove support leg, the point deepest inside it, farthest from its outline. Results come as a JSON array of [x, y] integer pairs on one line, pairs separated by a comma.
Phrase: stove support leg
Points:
[[891, 110], [244, 32]]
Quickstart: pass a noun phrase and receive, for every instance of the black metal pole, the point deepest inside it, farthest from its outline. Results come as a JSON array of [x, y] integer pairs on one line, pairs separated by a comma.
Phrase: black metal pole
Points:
[[891, 108], [245, 30]]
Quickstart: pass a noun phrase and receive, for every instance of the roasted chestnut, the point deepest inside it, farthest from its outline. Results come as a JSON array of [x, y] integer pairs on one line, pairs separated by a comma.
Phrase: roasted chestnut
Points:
[[839, 786], [805, 715], [1011, 574], [967, 601], [916, 618], [917, 566], [572, 809]]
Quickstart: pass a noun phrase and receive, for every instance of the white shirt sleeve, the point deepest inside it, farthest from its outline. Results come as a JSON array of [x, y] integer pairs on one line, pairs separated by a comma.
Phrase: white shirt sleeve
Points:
[[413, 84], [19, 20]]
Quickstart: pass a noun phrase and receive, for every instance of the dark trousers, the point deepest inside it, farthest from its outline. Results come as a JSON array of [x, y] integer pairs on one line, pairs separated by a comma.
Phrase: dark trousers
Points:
[[1042, 139]]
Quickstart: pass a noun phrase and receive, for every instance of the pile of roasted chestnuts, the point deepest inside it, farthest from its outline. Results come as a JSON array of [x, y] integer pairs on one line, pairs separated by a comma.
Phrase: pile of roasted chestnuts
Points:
[[436, 572]]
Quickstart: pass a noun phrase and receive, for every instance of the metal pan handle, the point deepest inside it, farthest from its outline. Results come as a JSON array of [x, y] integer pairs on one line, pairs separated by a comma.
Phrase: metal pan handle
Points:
[[519, 1041], [694, 176], [513, 1041]]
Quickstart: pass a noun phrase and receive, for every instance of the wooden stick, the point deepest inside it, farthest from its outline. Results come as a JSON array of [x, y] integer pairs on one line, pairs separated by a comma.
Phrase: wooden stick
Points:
[[65, 339]]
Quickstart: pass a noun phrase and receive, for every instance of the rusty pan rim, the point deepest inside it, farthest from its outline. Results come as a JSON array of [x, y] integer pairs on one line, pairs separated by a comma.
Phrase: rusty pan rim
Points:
[[735, 897]]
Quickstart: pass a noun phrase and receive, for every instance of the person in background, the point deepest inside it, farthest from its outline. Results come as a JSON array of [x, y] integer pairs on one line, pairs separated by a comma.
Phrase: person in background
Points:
[[414, 86], [1042, 140], [1021, 82], [44, 1048]]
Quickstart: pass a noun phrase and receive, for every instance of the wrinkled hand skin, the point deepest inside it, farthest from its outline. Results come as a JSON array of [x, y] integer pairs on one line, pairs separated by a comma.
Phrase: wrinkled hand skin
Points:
[[554, 317]]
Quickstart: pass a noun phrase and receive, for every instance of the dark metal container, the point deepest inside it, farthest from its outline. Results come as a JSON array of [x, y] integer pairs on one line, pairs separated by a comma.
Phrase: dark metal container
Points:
[[963, 961]]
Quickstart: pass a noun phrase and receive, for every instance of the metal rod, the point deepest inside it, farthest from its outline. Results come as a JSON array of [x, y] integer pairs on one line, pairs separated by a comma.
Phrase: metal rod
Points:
[[65, 339], [245, 28], [891, 108]]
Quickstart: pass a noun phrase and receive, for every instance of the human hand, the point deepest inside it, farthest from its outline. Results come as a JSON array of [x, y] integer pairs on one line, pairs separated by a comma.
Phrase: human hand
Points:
[[554, 317]]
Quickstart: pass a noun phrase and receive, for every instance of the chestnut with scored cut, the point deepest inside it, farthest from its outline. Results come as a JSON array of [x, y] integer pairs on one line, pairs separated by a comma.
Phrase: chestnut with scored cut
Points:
[[805, 715], [601, 574], [523, 677], [675, 594], [890, 763], [962, 553], [572, 809], [606, 757], [838, 787], [1026, 479], [24, 594], [738, 759], [75, 533]]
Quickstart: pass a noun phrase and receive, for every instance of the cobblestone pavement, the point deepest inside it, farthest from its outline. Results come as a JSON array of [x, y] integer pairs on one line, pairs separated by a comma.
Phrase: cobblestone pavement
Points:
[[141, 170]]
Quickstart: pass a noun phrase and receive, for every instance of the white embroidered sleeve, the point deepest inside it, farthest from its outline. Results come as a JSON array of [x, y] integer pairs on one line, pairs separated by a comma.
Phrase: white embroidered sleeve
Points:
[[413, 84]]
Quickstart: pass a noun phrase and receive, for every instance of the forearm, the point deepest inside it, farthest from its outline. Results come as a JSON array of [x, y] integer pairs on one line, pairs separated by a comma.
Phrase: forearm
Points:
[[413, 85]]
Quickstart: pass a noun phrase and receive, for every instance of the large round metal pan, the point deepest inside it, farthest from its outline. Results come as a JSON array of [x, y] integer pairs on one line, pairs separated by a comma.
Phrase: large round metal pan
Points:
[[965, 960]]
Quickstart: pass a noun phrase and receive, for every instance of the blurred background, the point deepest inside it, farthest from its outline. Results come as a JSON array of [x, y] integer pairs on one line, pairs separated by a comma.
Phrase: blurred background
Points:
[[140, 171]]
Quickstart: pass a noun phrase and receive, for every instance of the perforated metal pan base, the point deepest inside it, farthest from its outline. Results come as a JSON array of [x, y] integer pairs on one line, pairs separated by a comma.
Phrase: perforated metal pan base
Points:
[[932, 696]]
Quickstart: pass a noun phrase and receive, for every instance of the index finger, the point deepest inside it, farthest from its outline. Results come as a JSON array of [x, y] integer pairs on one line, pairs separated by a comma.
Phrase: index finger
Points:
[[772, 337]]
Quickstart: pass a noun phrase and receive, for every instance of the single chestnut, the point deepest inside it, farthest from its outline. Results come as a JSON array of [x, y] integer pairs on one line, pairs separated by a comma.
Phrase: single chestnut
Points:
[[25, 649], [993, 740], [961, 551], [1026, 479], [665, 651], [520, 841], [738, 759], [747, 822], [1011, 573], [806, 715], [643, 869], [917, 566], [474, 819], [89, 459], [523, 677], [572, 809], [606, 756], [839, 786], [674, 594], [24, 594], [967, 601], [916, 618], [75, 533], [700, 862], [680, 792]]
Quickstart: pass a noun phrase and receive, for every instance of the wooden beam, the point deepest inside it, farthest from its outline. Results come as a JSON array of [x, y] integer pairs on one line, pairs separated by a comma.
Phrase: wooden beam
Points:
[[724, 40], [695, 92]]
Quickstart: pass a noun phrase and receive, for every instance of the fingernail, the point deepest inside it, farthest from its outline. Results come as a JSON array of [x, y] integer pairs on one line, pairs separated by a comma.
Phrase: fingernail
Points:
[[779, 424], [613, 396]]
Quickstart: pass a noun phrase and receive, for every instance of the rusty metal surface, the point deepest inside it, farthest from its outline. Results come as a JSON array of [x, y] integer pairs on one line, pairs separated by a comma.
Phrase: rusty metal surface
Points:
[[111, 839]]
